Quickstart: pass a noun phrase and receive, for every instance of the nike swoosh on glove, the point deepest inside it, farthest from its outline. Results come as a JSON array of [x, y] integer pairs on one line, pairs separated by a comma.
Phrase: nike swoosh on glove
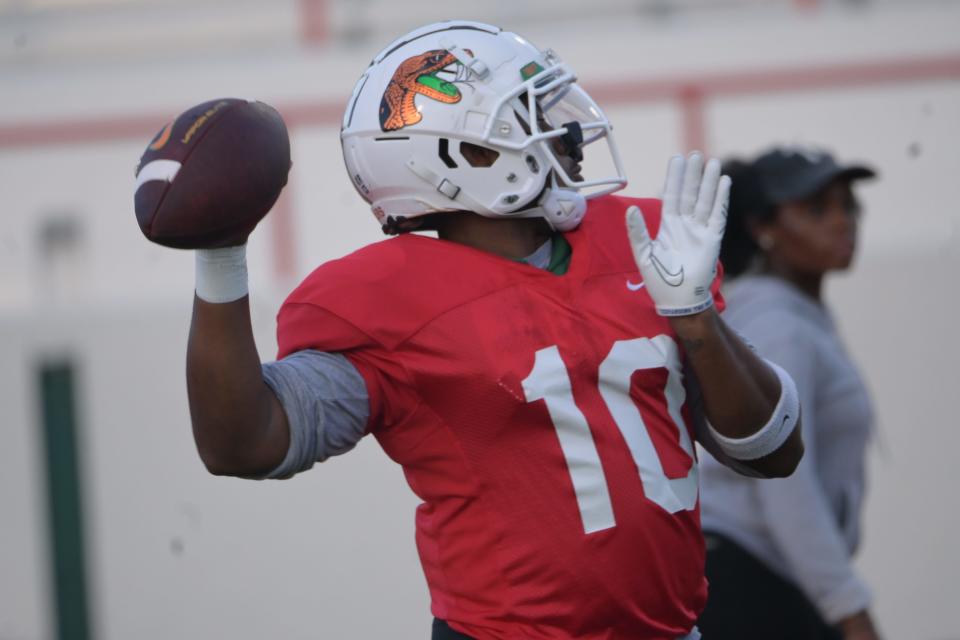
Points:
[[679, 265]]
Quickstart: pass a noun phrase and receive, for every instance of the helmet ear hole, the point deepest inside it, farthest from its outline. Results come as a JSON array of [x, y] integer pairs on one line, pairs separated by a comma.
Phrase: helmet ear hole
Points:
[[478, 156]]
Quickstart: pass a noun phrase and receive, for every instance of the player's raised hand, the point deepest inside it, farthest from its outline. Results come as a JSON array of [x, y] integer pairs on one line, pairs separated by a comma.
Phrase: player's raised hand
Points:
[[679, 265]]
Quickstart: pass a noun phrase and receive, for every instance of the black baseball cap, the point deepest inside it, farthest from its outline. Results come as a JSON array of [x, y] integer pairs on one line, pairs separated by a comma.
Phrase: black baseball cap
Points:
[[795, 173]]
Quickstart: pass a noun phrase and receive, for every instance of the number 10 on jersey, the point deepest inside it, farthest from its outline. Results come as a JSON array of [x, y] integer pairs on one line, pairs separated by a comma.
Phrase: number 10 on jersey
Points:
[[550, 381]]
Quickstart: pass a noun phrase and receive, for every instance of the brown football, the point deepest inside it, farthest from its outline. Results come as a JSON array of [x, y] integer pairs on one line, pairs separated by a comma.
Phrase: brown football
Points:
[[207, 178]]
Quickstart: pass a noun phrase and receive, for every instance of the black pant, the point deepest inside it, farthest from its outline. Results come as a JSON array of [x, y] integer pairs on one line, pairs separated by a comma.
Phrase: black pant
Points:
[[442, 631], [748, 601]]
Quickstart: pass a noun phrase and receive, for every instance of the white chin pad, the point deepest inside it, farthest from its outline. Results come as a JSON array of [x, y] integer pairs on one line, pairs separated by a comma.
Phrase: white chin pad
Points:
[[563, 209]]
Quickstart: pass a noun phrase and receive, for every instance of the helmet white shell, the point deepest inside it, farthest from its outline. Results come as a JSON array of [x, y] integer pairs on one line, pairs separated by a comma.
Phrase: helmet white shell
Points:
[[456, 83]]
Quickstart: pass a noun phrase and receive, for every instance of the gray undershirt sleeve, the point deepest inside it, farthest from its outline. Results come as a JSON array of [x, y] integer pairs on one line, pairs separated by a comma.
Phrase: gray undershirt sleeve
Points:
[[327, 406]]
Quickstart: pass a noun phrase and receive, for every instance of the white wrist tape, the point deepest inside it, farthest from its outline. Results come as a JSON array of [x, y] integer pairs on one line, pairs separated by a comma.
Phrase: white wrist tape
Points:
[[222, 274], [773, 434]]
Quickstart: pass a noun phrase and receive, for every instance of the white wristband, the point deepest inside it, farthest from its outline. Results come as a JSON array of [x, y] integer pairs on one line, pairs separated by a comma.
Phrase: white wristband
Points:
[[222, 274], [703, 305], [772, 435]]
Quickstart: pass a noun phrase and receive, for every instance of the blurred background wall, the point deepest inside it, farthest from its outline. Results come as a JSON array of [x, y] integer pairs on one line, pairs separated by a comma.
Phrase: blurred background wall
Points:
[[89, 310]]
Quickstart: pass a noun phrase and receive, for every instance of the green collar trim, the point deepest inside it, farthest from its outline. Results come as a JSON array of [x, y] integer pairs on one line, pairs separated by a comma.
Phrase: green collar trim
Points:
[[560, 255]]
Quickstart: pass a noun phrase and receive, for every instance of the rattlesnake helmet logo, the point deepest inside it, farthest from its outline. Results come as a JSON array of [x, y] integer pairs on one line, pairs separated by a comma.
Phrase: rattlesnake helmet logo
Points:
[[417, 75]]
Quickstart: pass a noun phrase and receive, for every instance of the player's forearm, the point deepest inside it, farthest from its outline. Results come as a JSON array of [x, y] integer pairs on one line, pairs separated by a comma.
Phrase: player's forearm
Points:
[[740, 392], [235, 416]]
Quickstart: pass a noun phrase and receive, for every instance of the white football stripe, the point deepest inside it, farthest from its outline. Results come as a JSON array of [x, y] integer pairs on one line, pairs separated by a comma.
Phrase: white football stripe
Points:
[[157, 170]]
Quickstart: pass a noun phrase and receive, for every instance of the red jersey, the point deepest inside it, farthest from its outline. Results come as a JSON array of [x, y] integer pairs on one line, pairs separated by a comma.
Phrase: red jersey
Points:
[[540, 418]]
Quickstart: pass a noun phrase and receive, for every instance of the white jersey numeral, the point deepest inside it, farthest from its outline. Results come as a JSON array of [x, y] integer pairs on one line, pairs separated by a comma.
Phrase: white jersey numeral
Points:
[[550, 381]]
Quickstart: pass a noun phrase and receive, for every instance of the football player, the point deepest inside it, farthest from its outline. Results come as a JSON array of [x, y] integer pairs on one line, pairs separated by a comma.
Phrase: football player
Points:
[[540, 369]]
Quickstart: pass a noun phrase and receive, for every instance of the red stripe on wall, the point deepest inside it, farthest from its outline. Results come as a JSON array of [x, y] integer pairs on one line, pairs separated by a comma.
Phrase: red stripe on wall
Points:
[[691, 93], [314, 22], [329, 112]]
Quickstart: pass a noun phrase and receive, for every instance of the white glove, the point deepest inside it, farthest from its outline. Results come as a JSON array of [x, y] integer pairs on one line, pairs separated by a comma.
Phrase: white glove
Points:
[[678, 267]]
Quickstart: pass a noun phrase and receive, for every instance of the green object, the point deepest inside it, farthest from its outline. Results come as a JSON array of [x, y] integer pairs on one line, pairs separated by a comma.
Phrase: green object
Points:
[[529, 70], [65, 506], [560, 254], [437, 84]]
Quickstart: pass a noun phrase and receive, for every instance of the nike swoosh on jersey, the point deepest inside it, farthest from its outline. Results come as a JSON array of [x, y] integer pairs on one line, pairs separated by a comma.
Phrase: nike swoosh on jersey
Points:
[[634, 287], [672, 279]]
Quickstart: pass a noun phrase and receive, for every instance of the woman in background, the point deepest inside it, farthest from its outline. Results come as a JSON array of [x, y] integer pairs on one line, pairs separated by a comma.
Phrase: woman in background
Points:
[[779, 551]]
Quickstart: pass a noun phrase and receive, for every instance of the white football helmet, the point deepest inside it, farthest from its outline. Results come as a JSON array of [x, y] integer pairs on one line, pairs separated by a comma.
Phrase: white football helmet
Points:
[[431, 94]]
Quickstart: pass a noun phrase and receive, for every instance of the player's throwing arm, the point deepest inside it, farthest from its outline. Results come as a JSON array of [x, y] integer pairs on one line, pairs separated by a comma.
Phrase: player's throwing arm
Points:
[[204, 182]]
